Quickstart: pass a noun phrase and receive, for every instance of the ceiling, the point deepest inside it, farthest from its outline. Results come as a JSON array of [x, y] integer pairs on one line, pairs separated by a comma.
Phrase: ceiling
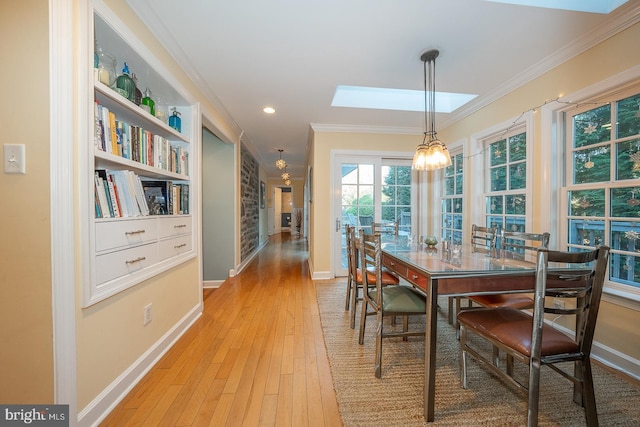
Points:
[[247, 54]]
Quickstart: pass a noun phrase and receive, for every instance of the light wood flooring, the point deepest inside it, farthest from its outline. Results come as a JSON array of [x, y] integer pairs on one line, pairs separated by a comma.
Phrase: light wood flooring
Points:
[[256, 357]]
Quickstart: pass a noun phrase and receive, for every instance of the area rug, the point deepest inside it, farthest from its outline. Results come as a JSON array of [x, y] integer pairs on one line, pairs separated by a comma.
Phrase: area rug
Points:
[[396, 399]]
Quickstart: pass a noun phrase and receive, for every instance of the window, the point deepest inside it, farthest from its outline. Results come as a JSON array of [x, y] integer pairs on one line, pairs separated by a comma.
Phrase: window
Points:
[[451, 201], [396, 195], [506, 178], [602, 176]]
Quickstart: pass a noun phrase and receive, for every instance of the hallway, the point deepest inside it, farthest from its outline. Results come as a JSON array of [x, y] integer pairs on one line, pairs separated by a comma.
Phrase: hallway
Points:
[[256, 357]]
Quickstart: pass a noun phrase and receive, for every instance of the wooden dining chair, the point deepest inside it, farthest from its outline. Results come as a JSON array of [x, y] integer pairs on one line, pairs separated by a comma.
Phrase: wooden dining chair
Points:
[[355, 277], [383, 301], [530, 340], [385, 228]]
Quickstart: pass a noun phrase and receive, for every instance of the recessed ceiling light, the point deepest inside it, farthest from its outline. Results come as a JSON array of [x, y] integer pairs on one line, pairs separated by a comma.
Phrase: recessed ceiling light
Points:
[[269, 110], [395, 99], [594, 6]]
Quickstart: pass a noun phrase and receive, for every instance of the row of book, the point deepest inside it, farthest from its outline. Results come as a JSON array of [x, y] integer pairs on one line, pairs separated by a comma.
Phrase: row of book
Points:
[[121, 193], [135, 143]]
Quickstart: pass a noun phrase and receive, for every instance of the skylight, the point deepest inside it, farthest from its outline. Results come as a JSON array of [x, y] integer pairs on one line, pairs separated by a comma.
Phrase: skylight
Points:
[[594, 6], [395, 99]]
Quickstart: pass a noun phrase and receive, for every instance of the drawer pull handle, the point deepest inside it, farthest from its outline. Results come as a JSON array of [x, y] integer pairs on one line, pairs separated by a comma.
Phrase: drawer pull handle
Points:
[[131, 233], [180, 246], [415, 277], [392, 263], [180, 226], [133, 261]]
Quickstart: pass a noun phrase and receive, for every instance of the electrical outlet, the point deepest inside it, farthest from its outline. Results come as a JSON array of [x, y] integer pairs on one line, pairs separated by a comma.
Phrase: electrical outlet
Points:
[[147, 314], [558, 303], [14, 158]]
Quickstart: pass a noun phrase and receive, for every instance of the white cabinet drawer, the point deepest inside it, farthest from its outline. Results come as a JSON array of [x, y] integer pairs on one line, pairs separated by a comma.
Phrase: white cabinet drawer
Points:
[[171, 226], [176, 246], [123, 233], [120, 263]]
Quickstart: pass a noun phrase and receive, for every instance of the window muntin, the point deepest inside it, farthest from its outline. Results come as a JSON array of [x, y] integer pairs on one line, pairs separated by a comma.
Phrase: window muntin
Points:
[[451, 201], [506, 200], [603, 185]]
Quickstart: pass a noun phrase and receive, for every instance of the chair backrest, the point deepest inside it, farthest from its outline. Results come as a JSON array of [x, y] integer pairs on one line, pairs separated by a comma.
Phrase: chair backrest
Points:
[[582, 286], [521, 245], [483, 239], [352, 253], [370, 250], [384, 228]]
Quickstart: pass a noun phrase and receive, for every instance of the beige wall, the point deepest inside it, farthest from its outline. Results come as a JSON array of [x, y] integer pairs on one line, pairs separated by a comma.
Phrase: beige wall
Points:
[[26, 358], [616, 323]]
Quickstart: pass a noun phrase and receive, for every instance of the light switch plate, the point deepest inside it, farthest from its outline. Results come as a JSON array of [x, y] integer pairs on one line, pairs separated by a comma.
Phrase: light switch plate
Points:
[[14, 158]]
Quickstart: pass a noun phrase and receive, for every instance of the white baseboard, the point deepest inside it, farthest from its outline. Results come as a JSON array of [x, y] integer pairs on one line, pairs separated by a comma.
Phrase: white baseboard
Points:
[[108, 399], [212, 284]]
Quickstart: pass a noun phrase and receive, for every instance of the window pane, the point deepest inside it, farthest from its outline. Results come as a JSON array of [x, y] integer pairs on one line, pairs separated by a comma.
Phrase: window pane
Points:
[[586, 233], [628, 156], [403, 175], [518, 176], [349, 174], [498, 153], [349, 194], [459, 184], [366, 195], [389, 213], [499, 178], [518, 147], [592, 165], [587, 203], [495, 221], [625, 235], [388, 195], [495, 205], [388, 175], [515, 224], [592, 127], [450, 185], [446, 205], [628, 123], [366, 174], [625, 202], [516, 204], [458, 163], [457, 205], [625, 269]]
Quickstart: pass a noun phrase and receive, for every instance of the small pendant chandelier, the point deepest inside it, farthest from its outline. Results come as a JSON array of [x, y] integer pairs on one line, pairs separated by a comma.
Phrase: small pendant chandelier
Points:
[[431, 154], [285, 175], [281, 164]]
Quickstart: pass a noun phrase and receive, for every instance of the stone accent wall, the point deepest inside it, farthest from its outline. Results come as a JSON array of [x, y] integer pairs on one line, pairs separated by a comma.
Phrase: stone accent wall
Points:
[[250, 206]]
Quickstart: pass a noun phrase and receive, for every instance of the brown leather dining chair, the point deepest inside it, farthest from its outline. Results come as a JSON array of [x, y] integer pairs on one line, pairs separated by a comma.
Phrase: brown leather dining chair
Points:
[[383, 301], [355, 277], [528, 339]]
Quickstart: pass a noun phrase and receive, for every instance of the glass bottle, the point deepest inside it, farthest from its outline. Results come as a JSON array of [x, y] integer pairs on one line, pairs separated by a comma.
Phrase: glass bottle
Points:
[[147, 102], [175, 121], [125, 85], [138, 98]]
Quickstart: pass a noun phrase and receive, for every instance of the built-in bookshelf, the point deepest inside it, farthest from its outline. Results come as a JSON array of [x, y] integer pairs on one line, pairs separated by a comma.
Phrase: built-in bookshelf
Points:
[[141, 220]]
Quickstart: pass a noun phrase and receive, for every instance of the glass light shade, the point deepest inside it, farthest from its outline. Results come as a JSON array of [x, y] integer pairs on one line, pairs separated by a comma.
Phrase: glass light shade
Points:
[[285, 176], [287, 182], [431, 156], [420, 157], [281, 164]]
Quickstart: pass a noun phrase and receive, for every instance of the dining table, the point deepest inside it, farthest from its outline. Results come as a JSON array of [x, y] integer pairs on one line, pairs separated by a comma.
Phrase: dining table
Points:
[[452, 270]]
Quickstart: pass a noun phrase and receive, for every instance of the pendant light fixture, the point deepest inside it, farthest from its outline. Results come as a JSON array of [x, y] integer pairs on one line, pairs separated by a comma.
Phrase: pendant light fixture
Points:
[[285, 175], [281, 164], [431, 154]]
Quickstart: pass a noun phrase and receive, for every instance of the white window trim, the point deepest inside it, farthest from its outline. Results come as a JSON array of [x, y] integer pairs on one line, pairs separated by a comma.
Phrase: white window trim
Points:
[[552, 142]]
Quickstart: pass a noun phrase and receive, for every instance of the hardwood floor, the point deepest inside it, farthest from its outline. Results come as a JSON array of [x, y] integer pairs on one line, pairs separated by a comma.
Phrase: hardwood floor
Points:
[[256, 357]]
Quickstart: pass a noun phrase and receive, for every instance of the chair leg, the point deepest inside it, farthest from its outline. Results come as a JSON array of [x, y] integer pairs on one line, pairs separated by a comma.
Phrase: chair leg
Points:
[[534, 392], [496, 356], [379, 344], [462, 359], [509, 365], [405, 326], [354, 302], [348, 298], [363, 320], [588, 394], [451, 315]]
